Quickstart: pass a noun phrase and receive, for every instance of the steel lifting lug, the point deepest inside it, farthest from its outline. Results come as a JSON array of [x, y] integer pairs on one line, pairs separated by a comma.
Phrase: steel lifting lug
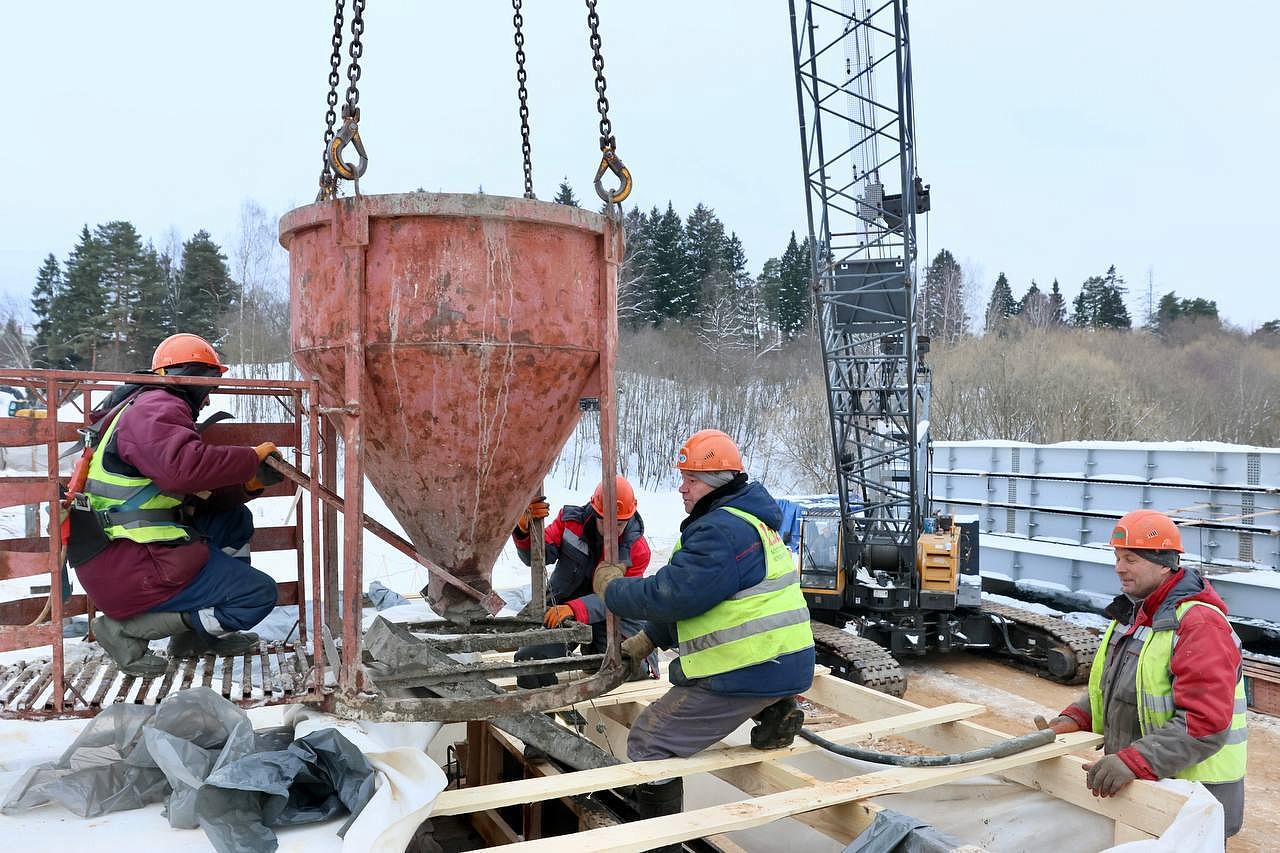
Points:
[[610, 162], [348, 134]]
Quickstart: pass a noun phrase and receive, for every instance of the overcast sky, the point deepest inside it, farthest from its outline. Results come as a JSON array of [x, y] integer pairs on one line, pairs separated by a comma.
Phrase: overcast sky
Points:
[[1058, 139]]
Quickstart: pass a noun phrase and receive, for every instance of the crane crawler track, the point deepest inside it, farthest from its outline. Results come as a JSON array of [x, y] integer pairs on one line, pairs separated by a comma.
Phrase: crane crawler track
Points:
[[862, 661], [1080, 642]]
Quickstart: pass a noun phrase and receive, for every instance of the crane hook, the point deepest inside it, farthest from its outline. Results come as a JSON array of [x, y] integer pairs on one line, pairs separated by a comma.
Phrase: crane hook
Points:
[[610, 162], [348, 134]]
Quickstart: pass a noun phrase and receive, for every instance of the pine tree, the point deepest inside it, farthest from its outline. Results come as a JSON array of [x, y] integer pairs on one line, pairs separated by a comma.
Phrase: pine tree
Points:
[[707, 242], [564, 195], [122, 270], [152, 311], [206, 287], [1112, 312], [1057, 306], [675, 294], [1100, 303], [941, 307], [1194, 316], [1001, 306], [48, 285], [793, 305], [76, 311]]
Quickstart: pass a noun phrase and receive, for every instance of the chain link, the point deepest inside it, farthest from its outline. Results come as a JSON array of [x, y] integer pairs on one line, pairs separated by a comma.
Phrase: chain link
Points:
[[328, 183], [607, 142], [526, 150], [357, 51]]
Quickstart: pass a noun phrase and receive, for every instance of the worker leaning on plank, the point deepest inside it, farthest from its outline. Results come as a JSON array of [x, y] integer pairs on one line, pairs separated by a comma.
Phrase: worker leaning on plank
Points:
[[159, 536], [1166, 690], [730, 601], [575, 543]]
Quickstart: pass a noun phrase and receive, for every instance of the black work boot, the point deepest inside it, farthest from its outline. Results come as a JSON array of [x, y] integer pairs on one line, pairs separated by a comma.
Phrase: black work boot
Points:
[[778, 724], [659, 799]]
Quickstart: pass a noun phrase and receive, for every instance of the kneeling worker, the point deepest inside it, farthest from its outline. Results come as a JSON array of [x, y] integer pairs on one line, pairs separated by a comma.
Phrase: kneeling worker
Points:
[[574, 542], [730, 600], [153, 533]]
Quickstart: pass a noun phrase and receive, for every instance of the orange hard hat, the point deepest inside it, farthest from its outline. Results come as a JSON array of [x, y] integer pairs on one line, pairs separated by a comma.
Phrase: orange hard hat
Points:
[[184, 348], [626, 497], [709, 450], [1147, 530]]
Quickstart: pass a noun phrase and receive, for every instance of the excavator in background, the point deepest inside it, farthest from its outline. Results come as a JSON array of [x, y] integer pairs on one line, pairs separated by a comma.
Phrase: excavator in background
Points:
[[875, 560]]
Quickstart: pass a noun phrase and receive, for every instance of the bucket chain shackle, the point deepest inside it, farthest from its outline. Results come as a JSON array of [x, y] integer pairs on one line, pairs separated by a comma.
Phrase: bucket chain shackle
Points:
[[349, 133], [609, 160]]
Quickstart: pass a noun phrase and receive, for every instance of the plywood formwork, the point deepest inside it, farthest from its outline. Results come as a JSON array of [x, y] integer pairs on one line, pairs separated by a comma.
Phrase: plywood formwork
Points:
[[775, 791]]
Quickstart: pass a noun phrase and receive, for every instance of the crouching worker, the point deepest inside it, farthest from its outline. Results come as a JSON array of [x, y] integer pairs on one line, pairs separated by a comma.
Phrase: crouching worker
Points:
[[159, 536], [575, 543], [730, 601]]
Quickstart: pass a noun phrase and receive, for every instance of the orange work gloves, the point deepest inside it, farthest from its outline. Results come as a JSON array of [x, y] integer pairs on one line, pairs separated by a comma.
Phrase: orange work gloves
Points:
[[557, 615], [538, 508], [266, 475]]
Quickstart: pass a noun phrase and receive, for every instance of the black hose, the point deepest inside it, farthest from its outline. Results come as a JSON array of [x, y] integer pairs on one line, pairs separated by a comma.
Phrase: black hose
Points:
[[1021, 743]]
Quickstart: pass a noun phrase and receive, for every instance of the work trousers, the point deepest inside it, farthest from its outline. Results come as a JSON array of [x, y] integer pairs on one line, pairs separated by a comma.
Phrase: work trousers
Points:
[[687, 720], [234, 593]]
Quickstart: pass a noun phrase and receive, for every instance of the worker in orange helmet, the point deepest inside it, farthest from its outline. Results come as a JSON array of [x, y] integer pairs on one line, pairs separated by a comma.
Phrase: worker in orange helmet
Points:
[[729, 599], [575, 544], [159, 535], [1166, 690]]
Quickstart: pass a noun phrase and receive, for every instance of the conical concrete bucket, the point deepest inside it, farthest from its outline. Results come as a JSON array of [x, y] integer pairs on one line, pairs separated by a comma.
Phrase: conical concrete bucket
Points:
[[480, 320]]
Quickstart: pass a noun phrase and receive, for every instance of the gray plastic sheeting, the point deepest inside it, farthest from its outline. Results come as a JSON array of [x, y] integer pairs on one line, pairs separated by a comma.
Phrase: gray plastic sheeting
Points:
[[199, 753], [894, 832]]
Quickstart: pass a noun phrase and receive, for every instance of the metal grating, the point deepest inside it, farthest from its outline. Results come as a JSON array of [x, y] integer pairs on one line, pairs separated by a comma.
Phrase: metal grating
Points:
[[1253, 468], [1246, 517], [278, 673], [1011, 515]]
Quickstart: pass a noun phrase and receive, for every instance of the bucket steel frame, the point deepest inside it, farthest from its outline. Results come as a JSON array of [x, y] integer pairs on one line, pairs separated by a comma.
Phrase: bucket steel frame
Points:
[[355, 696]]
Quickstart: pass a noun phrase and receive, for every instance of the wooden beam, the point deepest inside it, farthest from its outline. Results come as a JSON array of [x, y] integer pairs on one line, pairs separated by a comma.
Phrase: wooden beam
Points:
[[473, 799], [1144, 805], [1125, 833], [731, 817]]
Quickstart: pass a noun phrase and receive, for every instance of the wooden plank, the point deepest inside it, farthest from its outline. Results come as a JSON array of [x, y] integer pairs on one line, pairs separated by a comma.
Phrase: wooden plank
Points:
[[1145, 805], [1126, 833], [731, 817], [493, 829], [842, 822], [526, 790]]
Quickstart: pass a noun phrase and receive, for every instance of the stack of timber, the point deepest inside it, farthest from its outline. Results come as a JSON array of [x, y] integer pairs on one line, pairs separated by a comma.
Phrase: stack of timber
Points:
[[508, 810]]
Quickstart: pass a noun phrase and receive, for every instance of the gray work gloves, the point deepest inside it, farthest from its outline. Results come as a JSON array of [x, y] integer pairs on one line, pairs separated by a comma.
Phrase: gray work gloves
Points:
[[1108, 775]]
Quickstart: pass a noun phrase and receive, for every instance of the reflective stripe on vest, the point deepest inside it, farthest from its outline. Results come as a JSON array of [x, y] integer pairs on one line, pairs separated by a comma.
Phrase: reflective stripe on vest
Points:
[[757, 624], [1155, 700], [108, 492]]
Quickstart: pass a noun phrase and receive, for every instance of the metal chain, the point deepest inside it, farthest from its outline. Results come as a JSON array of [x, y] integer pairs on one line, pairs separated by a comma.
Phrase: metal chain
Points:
[[609, 159], [328, 183], [523, 93], [357, 51], [607, 142], [349, 133]]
